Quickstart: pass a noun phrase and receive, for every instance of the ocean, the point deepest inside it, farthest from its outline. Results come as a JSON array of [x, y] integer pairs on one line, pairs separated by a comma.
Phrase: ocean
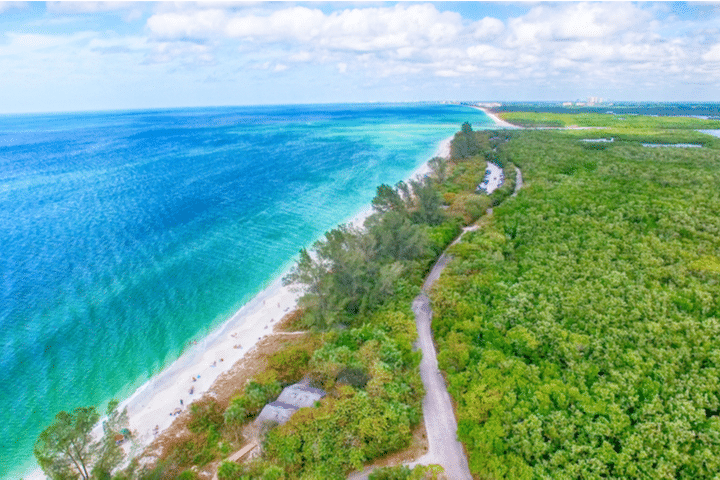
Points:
[[125, 236]]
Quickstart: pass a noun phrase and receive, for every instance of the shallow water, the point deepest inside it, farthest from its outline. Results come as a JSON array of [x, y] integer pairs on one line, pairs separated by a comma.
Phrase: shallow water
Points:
[[674, 145], [714, 133]]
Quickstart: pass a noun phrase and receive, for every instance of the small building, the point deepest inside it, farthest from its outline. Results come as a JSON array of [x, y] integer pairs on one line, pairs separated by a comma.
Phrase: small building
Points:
[[301, 395], [291, 399], [277, 412]]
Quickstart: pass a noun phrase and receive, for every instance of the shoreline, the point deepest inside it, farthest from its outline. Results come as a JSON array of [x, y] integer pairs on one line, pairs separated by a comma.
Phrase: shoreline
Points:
[[498, 121], [224, 348]]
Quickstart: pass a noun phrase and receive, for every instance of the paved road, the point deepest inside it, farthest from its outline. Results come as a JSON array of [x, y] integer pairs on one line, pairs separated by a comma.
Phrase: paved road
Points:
[[440, 423], [518, 181]]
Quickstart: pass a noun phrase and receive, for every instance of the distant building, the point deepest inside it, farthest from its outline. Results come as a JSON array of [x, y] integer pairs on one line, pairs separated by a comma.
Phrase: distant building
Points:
[[291, 399]]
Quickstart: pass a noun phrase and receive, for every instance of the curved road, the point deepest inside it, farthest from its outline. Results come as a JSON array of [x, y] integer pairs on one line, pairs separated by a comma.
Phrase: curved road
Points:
[[440, 423]]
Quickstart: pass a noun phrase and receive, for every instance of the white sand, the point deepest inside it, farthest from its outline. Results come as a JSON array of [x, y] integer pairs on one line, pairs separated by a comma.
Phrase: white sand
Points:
[[498, 121], [154, 402]]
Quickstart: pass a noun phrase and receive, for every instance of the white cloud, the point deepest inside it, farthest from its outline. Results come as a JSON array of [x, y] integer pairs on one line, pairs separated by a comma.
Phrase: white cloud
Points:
[[187, 53], [5, 6], [88, 7], [130, 11], [28, 42], [487, 53], [488, 28], [448, 73], [713, 54], [574, 21], [367, 29], [179, 25], [586, 50], [302, 56]]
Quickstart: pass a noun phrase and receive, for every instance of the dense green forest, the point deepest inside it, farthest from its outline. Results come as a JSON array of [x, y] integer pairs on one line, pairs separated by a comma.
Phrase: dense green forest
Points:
[[579, 330]]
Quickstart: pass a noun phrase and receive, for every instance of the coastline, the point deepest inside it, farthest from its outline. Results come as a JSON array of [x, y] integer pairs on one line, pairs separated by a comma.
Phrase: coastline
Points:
[[498, 121], [443, 150], [223, 350]]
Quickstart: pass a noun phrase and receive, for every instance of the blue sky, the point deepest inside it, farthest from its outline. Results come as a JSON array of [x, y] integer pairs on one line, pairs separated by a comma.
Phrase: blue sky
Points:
[[70, 56]]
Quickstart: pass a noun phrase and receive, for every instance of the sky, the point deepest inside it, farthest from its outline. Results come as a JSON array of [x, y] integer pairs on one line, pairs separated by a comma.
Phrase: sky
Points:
[[80, 56]]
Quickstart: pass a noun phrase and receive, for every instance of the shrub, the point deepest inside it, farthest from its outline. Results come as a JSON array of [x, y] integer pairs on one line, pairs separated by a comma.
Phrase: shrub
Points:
[[206, 414], [229, 471], [188, 475], [291, 363], [353, 376]]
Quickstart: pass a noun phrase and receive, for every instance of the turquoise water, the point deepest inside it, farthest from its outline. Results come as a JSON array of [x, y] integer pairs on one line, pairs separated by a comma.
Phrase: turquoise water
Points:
[[126, 235]]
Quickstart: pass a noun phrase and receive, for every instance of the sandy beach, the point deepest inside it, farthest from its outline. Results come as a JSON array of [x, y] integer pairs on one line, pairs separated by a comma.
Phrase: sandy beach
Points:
[[154, 406], [498, 121]]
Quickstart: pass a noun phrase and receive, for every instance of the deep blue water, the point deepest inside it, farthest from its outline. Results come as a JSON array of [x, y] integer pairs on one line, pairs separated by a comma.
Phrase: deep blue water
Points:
[[126, 235]]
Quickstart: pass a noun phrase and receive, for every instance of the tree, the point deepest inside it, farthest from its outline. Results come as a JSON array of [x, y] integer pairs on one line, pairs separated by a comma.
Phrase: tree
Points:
[[464, 144], [388, 199], [339, 275], [397, 238], [428, 202], [65, 449], [438, 165], [109, 454]]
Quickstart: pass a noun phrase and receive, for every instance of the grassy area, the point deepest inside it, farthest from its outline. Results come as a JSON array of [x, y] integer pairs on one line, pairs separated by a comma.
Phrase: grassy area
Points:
[[621, 121]]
